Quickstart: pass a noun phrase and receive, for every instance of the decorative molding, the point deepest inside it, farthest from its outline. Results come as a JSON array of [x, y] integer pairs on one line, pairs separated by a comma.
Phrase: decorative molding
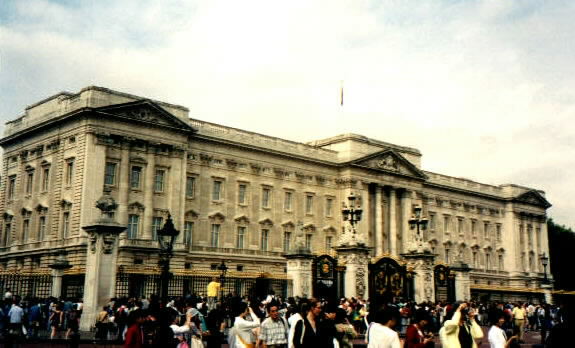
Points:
[[242, 219], [231, 163], [288, 224], [191, 214], [256, 168], [266, 222], [279, 172], [217, 216], [136, 207]]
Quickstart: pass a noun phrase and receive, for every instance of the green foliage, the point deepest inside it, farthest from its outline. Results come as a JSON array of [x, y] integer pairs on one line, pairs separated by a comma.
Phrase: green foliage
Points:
[[561, 247]]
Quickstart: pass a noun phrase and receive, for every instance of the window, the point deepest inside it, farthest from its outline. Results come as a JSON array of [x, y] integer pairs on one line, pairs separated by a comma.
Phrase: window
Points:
[[45, 179], [188, 232], [538, 237], [266, 195], [159, 180], [308, 241], [41, 228], [156, 225], [431, 221], [110, 173], [264, 239], [135, 177], [474, 228], [69, 171], [460, 226], [7, 233], [242, 189], [190, 186], [328, 243], [215, 235], [287, 241], [328, 206], [446, 222], [500, 262], [240, 237], [288, 201], [487, 261], [29, 182], [498, 232], [447, 256], [309, 204], [11, 186], [486, 230], [475, 264], [25, 229], [133, 225], [65, 224], [530, 235], [217, 190]]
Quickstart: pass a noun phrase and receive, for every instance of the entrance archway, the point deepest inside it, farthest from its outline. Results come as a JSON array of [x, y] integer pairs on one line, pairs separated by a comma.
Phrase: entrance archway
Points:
[[387, 281], [444, 283]]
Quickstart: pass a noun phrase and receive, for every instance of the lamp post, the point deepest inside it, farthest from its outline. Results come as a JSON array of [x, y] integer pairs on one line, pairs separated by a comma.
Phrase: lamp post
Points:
[[166, 237], [352, 212], [544, 261], [420, 223], [223, 270]]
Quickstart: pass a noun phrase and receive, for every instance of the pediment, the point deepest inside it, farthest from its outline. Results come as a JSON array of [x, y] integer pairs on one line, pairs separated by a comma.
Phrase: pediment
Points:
[[242, 219], [389, 161], [146, 111], [533, 198], [266, 222]]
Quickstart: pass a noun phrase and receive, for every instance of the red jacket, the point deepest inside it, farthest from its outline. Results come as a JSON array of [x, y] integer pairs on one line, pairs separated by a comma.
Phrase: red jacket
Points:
[[412, 337], [134, 337]]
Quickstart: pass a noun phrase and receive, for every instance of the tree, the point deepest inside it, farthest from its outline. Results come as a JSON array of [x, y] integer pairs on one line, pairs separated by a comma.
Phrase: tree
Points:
[[561, 245]]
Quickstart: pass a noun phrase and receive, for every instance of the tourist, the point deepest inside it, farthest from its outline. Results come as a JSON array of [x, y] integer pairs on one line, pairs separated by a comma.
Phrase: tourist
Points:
[[497, 337], [327, 330], [135, 334], [243, 328], [295, 320], [461, 330], [380, 333], [213, 292], [56, 320], [274, 329], [519, 317], [415, 337], [345, 331]]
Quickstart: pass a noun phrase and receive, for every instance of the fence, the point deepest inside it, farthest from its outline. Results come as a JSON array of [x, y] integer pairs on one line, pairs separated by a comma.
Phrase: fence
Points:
[[27, 284], [140, 282]]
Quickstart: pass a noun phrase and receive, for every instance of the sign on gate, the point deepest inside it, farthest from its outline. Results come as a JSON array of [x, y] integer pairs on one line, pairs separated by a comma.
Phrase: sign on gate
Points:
[[325, 284], [444, 283]]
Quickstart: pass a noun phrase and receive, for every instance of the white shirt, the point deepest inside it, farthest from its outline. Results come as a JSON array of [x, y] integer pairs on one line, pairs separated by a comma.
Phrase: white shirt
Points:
[[380, 336], [497, 338]]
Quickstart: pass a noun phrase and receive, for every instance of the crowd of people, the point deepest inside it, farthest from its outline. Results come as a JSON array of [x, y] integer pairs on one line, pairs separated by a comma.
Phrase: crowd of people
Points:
[[272, 322]]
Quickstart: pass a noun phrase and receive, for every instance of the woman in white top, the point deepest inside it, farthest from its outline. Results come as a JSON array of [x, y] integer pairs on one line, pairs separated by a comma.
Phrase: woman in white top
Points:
[[380, 333], [497, 337], [244, 329]]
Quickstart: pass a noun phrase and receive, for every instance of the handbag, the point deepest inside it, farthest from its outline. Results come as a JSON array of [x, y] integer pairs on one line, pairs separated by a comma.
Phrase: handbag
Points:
[[196, 342]]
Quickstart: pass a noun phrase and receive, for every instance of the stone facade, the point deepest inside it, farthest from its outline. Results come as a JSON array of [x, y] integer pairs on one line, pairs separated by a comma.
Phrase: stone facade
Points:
[[239, 196]]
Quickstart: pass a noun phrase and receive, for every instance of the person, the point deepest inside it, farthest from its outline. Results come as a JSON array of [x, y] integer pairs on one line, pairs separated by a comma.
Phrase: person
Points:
[[345, 331], [306, 331], [102, 324], [461, 330], [135, 334], [274, 329], [519, 317], [56, 320], [73, 322], [496, 336], [415, 337], [296, 320], [380, 333], [213, 291], [243, 328], [327, 330], [16, 314]]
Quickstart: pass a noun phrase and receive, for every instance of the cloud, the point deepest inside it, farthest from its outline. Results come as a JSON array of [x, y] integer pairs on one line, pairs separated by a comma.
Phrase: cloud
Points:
[[482, 88]]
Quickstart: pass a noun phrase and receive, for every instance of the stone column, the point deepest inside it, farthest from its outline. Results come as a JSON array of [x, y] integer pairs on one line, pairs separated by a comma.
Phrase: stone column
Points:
[[547, 288], [406, 212], [299, 271], [421, 264], [148, 184], [101, 262], [392, 223], [462, 281], [378, 221], [356, 260], [58, 268]]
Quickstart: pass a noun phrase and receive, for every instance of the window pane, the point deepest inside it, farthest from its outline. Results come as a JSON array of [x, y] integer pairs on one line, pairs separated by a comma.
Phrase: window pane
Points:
[[46, 179], [242, 194], [217, 190], [240, 237], [188, 232], [190, 186], [159, 180], [25, 229], [65, 224], [287, 201], [287, 241], [110, 174], [135, 177], [328, 206], [215, 235], [308, 204], [156, 225], [41, 228], [308, 241], [264, 240], [265, 197], [133, 225]]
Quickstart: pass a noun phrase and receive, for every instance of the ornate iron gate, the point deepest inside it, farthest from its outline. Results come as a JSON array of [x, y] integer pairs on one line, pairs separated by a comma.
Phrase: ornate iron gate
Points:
[[444, 283], [27, 284], [325, 278], [387, 281]]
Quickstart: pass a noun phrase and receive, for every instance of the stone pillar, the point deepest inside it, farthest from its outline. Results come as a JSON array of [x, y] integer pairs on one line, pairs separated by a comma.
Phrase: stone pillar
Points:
[[148, 184], [406, 212], [378, 221], [392, 223], [356, 260], [101, 262], [421, 264], [462, 281], [299, 271], [547, 288], [58, 267]]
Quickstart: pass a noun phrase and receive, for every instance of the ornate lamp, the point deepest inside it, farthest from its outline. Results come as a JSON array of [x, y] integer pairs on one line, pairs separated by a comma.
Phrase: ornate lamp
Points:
[[223, 271], [544, 261], [167, 235], [420, 223]]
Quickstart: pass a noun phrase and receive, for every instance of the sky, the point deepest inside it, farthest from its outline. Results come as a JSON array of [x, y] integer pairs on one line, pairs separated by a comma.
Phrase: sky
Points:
[[484, 89]]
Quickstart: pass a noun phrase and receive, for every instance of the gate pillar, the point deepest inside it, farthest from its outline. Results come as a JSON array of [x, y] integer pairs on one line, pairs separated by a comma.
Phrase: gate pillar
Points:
[[421, 266], [101, 262], [462, 281], [356, 260], [299, 270], [58, 267]]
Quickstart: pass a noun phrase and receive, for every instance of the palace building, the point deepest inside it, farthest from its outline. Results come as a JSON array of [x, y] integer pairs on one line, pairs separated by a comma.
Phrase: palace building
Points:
[[242, 197]]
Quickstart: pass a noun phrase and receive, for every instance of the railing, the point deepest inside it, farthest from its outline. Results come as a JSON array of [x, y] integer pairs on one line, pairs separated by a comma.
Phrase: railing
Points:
[[27, 284]]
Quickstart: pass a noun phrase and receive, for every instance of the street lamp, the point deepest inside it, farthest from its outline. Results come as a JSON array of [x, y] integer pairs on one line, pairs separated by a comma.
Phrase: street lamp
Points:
[[166, 237], [223, 270], [544, 261], [420, 223], [352, 211]]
